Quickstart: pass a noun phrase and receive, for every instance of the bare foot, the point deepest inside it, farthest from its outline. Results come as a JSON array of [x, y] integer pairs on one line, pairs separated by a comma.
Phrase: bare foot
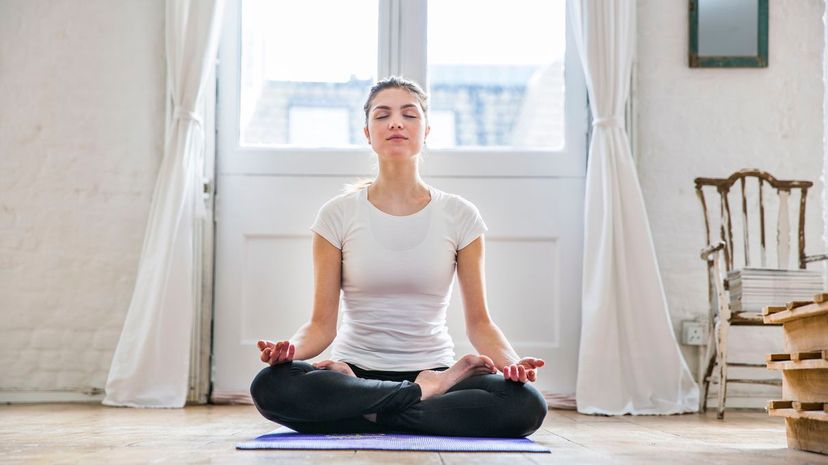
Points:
[[339, 367], [433, 383]]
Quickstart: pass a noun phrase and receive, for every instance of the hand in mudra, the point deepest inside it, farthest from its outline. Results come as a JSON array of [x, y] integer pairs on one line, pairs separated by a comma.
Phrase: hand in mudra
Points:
[[524, 370], [274, 353]]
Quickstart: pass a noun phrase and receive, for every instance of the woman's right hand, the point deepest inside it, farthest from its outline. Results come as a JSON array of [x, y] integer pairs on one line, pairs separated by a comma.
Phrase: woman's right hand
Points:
[[274, 353]]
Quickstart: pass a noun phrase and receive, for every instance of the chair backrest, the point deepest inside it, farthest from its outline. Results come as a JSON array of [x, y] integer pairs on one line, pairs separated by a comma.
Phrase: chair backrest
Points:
[[752, 193]]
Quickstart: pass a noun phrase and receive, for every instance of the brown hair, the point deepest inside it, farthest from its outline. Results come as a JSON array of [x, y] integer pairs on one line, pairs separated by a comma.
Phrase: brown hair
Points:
[[391, 82], [396, 82]]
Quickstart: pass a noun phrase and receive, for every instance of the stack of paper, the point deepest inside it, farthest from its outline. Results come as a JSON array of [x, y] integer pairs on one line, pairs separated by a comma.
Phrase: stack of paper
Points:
[[752, 289]]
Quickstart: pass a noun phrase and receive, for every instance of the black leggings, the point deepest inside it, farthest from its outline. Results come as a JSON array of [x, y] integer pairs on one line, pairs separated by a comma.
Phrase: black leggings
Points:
[[310, 400]]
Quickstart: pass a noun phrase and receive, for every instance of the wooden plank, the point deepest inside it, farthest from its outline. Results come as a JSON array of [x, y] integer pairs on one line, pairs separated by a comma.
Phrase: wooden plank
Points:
[[783, 231], [770, 310], [805, 414], [807, 434], [808, 406], [777, 357], [805, 311], [811, 355], [779, 404], [821, 297], [805, 385], [806, 334], [745, 225], [820, 364], [762, 223], [798, 303]]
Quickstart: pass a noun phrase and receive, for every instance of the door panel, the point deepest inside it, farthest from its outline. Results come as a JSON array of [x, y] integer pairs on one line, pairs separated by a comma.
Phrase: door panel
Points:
[[264, 273]]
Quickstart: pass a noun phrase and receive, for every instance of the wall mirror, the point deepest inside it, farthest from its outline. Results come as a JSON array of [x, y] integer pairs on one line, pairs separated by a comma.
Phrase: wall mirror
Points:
[[728, 33]]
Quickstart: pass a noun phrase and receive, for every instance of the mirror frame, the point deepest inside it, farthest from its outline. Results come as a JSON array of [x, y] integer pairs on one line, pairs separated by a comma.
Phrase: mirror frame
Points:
[[756, 61]]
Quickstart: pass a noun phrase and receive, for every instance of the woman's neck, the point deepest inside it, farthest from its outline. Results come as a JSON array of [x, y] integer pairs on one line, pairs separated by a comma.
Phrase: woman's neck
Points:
[[398, 183]]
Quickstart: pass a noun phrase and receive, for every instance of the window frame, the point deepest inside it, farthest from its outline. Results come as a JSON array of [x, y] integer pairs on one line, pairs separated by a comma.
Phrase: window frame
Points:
[[401, 51]]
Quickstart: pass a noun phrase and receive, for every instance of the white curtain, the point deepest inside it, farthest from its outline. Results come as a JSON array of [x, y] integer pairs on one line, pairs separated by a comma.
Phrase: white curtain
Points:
[[150, 367], [629, 359]]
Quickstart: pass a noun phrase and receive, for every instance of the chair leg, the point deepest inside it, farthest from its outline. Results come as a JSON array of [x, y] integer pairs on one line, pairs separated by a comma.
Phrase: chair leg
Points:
[[707, 365], [721, 352]]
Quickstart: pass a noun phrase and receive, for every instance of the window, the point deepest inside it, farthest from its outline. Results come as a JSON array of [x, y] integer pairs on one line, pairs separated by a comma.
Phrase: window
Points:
[[304, 64], [494, 70], [507, 96], [499, 67]]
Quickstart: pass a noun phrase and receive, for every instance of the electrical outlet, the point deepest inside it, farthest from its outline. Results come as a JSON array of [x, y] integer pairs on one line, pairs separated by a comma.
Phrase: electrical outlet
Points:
[[693, 333]]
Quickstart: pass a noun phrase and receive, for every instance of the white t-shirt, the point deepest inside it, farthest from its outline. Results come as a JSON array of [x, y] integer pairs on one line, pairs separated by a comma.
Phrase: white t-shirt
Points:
[[397, 276]]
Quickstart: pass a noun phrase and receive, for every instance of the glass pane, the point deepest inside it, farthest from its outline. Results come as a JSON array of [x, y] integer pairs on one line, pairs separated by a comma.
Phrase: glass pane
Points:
[[498, 68], [728, 28], [305, 70]]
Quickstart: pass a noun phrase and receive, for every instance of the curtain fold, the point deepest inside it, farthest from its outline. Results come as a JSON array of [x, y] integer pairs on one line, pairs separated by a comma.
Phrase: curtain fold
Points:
[[629, 359], [150, 367]]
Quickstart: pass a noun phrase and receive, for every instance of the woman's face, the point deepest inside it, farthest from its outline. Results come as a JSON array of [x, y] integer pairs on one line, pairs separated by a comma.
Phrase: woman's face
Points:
[[396, 124]]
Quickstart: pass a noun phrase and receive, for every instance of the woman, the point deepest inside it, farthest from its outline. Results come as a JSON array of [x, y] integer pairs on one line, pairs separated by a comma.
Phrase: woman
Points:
[[392, 246]]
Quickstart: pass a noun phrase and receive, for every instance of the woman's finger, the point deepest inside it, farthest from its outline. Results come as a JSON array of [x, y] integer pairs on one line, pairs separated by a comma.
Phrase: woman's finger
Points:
[[277, 353], [281, 356], [531, 375], [265, 355], [521, 373], [285, 351], [487, 361], [291, 351]]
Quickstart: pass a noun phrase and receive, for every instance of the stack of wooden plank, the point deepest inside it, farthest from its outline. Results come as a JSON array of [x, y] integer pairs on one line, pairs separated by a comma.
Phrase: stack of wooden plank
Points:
[[804, 365]]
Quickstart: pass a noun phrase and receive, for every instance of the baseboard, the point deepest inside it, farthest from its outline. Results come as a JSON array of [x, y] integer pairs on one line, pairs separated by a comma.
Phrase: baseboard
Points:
[[41, 397], [231, 397], [554, 400]]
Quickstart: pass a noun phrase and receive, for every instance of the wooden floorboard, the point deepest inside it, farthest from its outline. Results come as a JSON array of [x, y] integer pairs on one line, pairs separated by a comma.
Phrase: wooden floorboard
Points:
[[86, 433]]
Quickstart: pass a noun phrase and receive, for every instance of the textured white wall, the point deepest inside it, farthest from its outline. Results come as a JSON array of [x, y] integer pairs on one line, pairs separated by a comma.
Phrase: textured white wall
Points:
[[710, 122], [81, 129]]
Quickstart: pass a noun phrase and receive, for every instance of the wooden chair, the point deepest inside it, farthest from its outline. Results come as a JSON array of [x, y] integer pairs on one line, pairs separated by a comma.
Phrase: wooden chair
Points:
[[720, 255]]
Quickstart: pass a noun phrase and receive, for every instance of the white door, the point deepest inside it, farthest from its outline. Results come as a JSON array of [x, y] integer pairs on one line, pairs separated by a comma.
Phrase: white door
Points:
[[269, 191]]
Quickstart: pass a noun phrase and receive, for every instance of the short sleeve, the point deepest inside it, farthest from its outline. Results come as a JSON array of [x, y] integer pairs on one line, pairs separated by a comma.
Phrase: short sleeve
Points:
[[470, 224], [329, 223]]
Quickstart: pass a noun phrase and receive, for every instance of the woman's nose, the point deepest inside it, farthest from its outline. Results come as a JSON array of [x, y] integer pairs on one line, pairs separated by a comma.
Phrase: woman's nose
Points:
[[395, 123]]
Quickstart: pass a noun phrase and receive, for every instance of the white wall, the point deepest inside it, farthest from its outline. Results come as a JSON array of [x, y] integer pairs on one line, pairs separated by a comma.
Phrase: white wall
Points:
[[81, 129], [711, 122]]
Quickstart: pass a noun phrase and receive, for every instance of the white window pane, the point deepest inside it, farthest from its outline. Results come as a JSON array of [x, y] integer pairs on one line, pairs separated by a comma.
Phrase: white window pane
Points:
[[313, 53], [445, 121], [498, 66], [322, 127]]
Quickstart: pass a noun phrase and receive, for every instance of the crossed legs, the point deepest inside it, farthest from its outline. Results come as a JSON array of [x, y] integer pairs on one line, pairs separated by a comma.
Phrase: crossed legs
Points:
[[309, 400]]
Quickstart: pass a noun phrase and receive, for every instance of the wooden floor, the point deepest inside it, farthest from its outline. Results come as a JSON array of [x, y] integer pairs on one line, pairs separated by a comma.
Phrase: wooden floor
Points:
[[83, 433]]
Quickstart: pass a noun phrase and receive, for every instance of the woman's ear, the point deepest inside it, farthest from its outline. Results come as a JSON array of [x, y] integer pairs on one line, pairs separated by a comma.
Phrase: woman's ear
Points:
[[367, 136]]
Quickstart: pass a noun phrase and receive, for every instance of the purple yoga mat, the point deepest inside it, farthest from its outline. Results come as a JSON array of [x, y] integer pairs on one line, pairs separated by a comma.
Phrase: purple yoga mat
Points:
[[286, 438]]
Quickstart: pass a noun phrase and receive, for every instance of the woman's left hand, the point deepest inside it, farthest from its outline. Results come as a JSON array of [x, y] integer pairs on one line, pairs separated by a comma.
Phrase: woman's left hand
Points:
[[524, 370]]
